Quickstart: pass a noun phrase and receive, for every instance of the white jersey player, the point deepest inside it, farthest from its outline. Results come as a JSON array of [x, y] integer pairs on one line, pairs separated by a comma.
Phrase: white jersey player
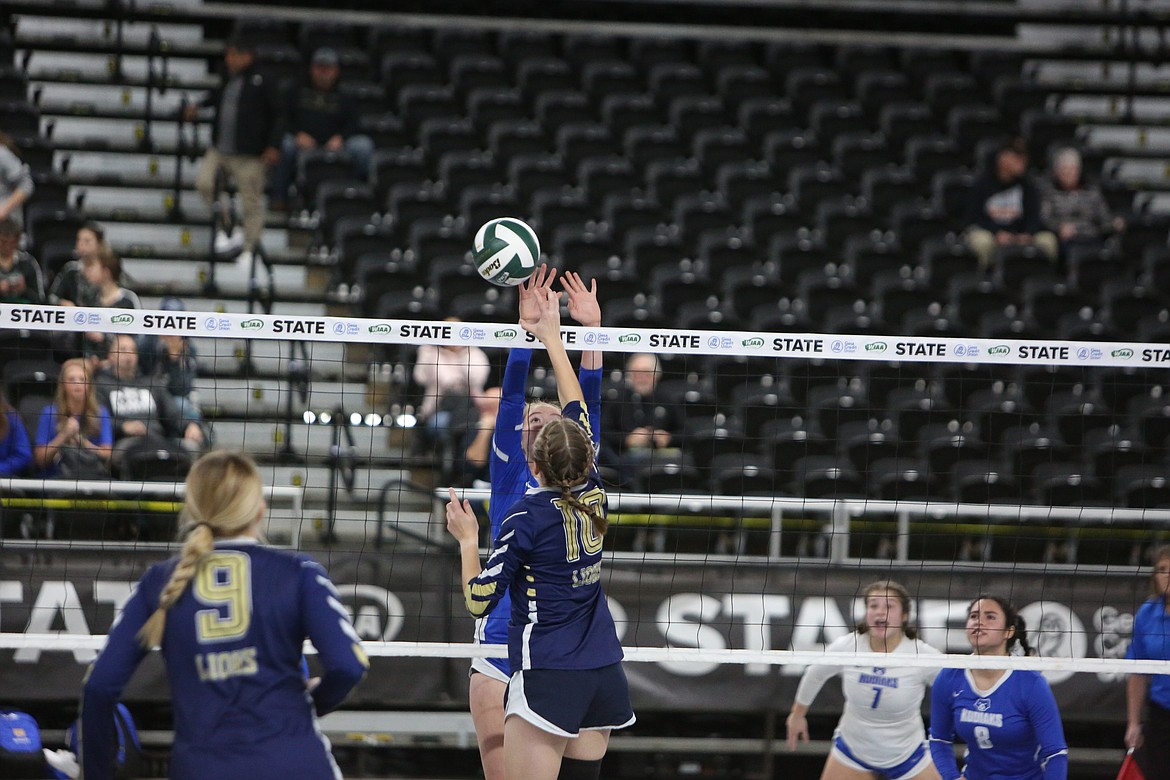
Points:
[[881, 734]]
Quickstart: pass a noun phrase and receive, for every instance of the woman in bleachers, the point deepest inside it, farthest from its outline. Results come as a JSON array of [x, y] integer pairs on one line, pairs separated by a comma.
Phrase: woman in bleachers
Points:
[[69, 287], [103, 274], [75, 437], [15, 450]]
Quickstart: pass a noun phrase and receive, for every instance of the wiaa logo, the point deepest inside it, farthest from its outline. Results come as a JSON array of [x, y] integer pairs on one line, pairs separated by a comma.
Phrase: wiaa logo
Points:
[[876, 346], [252, 324], [629, 338], [122, 319], [999, 350], [508, 333], [381, 328], [755, 343], [1122, 353]]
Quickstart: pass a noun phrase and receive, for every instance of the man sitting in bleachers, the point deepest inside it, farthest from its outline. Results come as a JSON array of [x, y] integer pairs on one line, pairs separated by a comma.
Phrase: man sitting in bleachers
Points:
[[20, 274], [1004, 208], [144, 413], [320, 116]]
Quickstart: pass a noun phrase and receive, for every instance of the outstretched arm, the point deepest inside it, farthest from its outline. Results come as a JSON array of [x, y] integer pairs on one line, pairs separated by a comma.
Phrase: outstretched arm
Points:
[[542, 318], [584, 308]]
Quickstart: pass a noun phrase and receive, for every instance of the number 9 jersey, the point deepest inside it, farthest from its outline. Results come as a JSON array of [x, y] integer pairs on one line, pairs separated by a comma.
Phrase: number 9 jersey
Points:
[[547, 557], [233, 648]]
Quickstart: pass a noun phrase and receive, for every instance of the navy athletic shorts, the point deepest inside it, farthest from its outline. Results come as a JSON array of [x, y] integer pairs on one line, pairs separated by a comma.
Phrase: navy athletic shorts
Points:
[[566, 702]]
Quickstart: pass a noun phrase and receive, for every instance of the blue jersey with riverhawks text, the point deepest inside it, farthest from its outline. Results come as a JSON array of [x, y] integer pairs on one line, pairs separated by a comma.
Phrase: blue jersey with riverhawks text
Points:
[[1013, 731], [233, 649], [548, 558], [509, 472]]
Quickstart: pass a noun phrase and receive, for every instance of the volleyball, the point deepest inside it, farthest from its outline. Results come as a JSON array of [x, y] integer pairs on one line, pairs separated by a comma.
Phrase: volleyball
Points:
[[506, 251]]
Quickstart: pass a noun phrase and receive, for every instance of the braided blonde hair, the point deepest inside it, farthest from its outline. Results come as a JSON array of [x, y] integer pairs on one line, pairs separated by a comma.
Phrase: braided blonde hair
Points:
[[564, 454], [224, 498]]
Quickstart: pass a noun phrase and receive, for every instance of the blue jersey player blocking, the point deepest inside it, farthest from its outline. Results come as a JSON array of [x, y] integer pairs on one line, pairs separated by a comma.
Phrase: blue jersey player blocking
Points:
[[517, 424], [567, 689], [1007, 718], [231, 616]]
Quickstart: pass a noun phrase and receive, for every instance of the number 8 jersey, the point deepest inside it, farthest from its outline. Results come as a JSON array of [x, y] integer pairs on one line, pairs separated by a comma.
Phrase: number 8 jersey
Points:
[[548, 559]]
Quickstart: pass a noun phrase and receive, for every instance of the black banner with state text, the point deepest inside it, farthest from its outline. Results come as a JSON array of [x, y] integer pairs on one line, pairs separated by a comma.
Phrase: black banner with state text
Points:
[[407, 596]]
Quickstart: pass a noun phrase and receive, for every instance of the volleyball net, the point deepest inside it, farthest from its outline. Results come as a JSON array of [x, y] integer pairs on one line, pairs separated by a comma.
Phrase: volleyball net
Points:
[[792, 470]]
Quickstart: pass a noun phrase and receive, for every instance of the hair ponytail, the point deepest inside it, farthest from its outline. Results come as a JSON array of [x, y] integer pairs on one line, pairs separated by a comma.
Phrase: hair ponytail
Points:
[[564, 454], [1020, 637], [224, 497], [199, 542]]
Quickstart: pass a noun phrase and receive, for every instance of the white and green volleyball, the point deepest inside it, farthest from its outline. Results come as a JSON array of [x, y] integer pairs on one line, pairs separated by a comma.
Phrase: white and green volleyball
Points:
[[506, 251]]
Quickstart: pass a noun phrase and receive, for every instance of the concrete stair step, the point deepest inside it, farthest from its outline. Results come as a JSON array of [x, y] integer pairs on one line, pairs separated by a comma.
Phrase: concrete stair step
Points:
[[1115, 109], [44, 60], [132, 32], [112, 97]]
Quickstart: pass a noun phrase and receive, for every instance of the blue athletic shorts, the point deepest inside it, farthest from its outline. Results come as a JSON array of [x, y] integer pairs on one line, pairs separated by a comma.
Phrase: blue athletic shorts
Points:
[[911, 767], [566, 702]]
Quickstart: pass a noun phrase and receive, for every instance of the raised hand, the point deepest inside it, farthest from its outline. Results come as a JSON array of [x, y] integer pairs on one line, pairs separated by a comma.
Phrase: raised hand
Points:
[[583, 305], [461, 521], [541, 279], [543, 318]]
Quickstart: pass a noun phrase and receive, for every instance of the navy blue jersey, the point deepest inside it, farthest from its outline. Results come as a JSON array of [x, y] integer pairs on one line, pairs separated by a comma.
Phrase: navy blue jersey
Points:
[[233, 648], [548, 559], [1013, 731], [510, 475]]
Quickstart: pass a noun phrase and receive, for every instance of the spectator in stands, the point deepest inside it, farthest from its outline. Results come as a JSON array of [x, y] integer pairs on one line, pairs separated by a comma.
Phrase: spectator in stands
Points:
[[74, 435], [20, 273], [245, 141], [16, 183], [637, 423], [69, 287], [1004, 208], [478, 441], [449, 371], [144, 413], [102, 272], [1074, 210], [15, 450], [170, 360], [319, 117]]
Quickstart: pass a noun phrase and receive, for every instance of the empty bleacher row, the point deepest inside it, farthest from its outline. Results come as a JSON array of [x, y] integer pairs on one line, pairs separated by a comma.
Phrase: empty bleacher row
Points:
[[770, 186]]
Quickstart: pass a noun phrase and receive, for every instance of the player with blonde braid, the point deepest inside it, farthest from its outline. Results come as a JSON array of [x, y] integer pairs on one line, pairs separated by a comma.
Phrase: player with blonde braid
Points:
[[230, 616], [567, 690]]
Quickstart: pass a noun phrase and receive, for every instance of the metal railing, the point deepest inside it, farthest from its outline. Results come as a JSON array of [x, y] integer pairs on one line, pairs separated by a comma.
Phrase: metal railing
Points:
[[83, 491], [838, 514]]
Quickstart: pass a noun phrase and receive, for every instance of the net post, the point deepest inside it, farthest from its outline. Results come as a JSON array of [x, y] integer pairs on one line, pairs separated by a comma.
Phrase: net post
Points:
[[839, 532], [903, 543], [775, 531]]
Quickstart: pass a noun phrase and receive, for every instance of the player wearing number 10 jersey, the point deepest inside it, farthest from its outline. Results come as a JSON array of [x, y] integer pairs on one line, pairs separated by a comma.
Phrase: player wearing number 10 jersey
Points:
[[567, 689], [232, 643], [880, 733]]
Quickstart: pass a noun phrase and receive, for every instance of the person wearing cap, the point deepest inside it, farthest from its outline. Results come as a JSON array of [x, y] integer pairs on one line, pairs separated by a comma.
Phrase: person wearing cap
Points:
[[246, 129], [320, 116]]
